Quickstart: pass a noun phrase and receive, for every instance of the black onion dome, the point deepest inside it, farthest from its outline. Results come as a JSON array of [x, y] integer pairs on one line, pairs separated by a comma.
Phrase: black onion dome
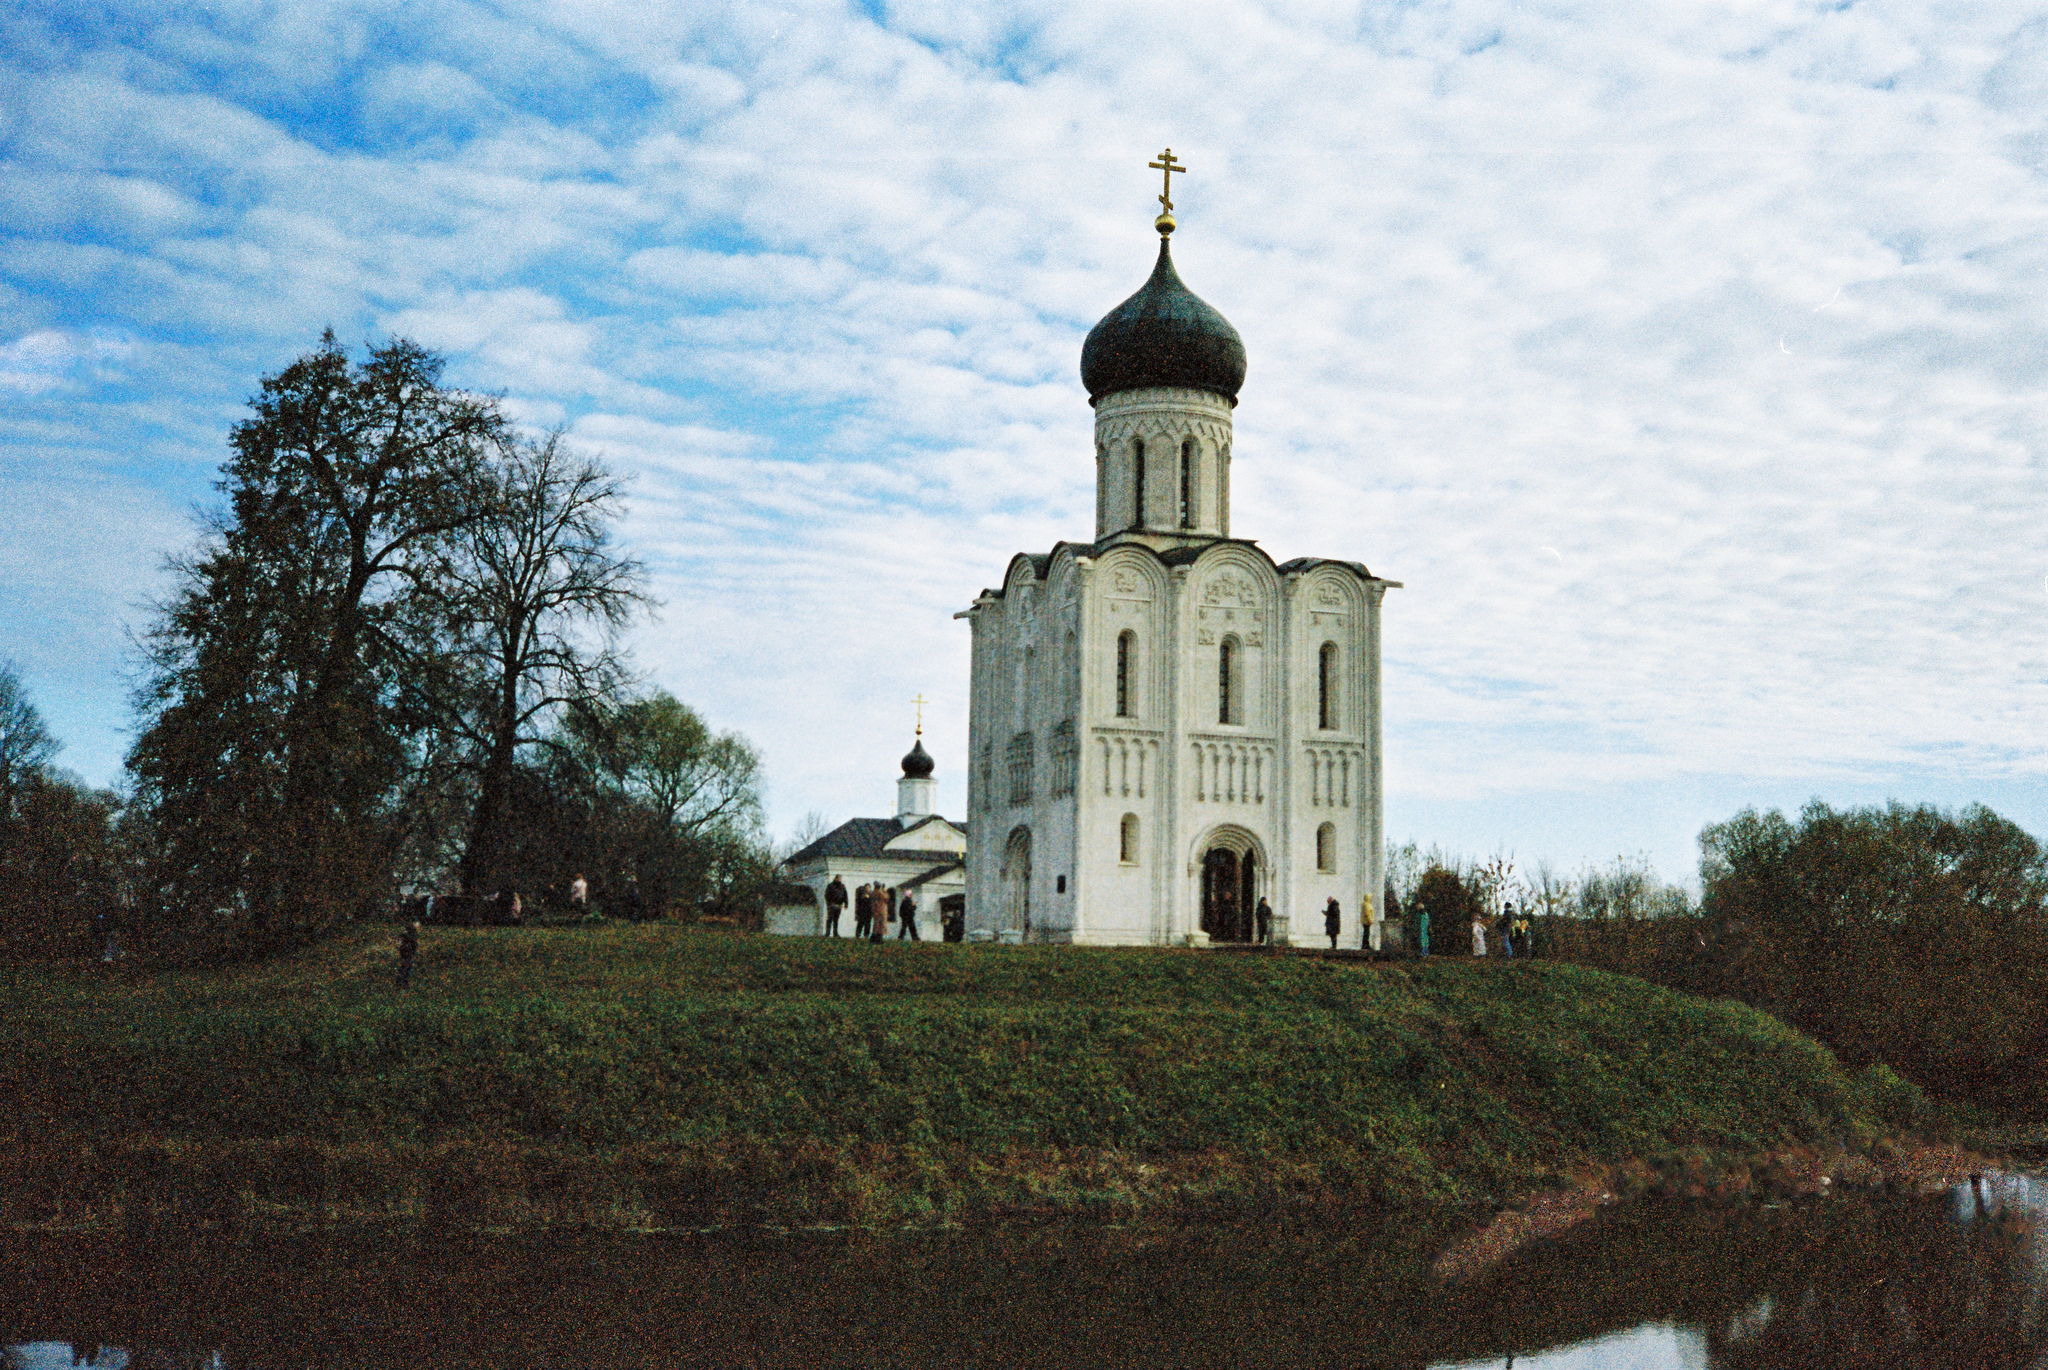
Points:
[[918, 765], [1163, 335]]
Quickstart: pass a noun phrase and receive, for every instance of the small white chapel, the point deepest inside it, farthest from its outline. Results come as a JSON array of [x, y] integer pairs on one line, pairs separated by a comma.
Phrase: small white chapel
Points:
[[917, 853], [1165, 725]]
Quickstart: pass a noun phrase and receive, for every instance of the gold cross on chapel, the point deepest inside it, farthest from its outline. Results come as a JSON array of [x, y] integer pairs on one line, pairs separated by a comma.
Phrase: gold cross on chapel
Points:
[[1167, 164], [920, 702]]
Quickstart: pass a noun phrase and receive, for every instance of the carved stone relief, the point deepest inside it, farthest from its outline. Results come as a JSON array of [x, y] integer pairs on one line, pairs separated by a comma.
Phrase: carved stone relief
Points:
[[1230, 588]]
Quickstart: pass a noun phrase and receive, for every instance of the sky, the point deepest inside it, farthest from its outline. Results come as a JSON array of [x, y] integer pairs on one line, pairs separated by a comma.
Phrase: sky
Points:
[[1682, 360]]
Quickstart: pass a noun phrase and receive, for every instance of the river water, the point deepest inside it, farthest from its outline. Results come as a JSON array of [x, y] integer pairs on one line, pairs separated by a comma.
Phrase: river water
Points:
[[1954, 1280]]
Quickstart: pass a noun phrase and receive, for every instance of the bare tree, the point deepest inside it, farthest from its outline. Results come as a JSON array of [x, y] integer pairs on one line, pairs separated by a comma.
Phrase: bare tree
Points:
[[1495, 876], [1551, 892], [537, 596], [26, 746], [808, 829]]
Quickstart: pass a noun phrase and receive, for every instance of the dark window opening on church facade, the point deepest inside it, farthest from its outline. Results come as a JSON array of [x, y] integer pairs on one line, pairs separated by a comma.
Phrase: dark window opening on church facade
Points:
[[1187, 483], [1229, 683], [1326, 687], [1126, 666], [1326, 848], [1127, 841], [1137, 482]]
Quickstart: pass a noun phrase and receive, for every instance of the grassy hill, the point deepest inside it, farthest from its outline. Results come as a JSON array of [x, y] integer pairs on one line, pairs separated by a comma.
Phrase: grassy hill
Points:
[[657, 1075]]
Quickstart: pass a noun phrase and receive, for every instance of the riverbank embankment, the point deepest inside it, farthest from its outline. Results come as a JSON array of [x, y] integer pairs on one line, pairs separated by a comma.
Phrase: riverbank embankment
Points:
[[656, 1077]]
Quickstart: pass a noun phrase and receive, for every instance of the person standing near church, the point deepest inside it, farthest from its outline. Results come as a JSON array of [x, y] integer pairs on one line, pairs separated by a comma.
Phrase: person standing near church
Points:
[[863, 911], [1263, 916], [1422, 932], [878, 912], [1479, 935], [907, 916], [408, 952], [835, 904], [579, 896], [1333, 920]]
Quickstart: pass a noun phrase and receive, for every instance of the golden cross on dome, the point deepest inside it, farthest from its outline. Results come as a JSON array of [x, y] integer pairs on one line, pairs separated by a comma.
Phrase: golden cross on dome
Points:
[[1167, 164], [920, 702]]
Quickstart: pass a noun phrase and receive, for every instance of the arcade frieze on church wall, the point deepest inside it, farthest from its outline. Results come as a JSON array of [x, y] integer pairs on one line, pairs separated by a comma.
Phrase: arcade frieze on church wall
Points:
[[1334, 776], [1231, 770], [1130, 764]]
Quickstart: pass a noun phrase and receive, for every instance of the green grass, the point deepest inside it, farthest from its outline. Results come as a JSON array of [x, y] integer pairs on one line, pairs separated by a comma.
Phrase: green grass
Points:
[[639, 1074]]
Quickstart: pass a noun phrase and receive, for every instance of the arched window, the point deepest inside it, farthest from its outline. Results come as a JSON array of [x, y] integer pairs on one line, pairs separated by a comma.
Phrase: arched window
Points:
[[1127, 841], [1326, 848], [1187, 483], [1127, 674], [1326, 687], [1229, 682], [1137, 482]]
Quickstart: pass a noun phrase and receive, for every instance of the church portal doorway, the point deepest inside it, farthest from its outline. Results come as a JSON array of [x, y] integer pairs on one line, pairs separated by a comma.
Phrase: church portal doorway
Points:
[[1016, 880], [1230, 890]]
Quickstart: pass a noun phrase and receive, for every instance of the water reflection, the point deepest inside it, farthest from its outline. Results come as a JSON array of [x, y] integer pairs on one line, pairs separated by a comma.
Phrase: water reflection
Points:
[[1965, 1293], [1950, 1282], [58, 1355]]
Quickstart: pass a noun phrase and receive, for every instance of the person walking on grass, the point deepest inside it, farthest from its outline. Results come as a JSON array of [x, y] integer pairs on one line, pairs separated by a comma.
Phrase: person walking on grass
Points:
[[878, 915], [907, 917], [408, 952], [1479, 935], [835, 904], [1422, 933], [1333, 921]]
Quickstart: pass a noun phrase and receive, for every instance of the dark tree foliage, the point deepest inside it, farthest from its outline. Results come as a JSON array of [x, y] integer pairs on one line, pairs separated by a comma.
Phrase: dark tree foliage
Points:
[[60, 863], [281, 720], [642, 795], [1909, 935], [1451, 903]]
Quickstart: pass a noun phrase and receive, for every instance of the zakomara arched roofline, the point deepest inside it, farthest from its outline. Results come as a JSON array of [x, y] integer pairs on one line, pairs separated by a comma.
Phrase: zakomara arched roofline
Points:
[[1301, 566], [1141, 558], [1040, 563]]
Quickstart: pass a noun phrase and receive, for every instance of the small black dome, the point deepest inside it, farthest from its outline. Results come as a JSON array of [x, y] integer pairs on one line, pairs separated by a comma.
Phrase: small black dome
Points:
[[1163, 335], [918, 765]]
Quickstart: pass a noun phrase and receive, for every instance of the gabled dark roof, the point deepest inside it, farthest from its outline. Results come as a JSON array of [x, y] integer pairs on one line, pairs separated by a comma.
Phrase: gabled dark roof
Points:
[[1301, 564], [934, 873], [866, 837]]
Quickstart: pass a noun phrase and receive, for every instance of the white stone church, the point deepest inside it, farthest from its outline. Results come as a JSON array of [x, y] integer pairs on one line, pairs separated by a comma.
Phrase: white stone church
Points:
[[1165, 725]]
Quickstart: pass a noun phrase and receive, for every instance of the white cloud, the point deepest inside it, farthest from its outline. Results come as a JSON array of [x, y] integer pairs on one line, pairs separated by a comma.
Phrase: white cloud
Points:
[[1681, 360]]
